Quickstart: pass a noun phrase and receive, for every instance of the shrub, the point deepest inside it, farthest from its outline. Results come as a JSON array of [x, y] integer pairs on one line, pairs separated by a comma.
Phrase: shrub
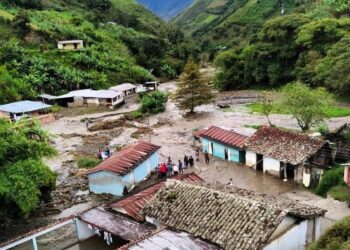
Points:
[[330, 178], [88, 162], [323, 128], [133, 115], [153, 102]]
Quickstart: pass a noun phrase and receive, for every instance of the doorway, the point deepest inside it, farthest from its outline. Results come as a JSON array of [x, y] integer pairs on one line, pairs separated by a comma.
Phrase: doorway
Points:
[[226, 154], [211, 148], [259, 162], [290, 171]]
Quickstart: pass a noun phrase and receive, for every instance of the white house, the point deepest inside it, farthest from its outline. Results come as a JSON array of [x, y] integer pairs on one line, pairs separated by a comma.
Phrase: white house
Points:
[[70, 45], [127, 89]]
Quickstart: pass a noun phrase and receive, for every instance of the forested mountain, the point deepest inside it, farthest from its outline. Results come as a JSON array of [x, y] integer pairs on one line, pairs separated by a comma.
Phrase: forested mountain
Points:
[[273, 42], [166, 9], [123, 42]]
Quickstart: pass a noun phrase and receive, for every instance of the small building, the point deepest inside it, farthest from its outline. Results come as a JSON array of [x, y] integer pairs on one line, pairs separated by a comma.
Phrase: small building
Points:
[[288, 155], [152, 86], [86, 97], [233, 218], [27, 109], [340, 142], [126, 168], [347, 173], [70, 45], [127, 89], [222, 143]]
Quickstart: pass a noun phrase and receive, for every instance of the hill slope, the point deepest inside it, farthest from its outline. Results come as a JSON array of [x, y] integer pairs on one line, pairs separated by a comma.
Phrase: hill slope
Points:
[[166, 9], [123, 42]]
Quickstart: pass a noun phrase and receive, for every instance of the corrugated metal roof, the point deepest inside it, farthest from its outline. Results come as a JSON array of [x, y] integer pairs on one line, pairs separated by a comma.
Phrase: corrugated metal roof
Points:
[[133, 204], [224, 136], [127, 159], [123, 87], [89, 93], [23, 107], [117, 225], [286, 146]]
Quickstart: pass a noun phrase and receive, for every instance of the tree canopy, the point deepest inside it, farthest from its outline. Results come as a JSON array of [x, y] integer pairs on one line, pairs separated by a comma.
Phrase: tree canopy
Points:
[[24, 179], [192, 91]]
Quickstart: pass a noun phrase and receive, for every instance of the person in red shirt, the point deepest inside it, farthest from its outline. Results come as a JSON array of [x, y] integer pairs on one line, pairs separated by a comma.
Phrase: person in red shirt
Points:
[[163, 170]]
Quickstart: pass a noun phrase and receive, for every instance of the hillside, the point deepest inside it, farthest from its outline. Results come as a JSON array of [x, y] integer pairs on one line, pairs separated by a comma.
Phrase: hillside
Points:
[[123, 42], [166, 9]]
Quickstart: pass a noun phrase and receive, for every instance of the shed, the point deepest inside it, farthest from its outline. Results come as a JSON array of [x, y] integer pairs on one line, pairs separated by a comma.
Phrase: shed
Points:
[[17, 110], [126, 168], [70, 45], [151, 85], [234, 218], [126, 88], [222, 143], [287, 154]]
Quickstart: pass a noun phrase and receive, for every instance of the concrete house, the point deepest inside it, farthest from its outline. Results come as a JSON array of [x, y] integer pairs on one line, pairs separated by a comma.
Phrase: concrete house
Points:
[[233, 218], [86, 97], [126, 168], [70, 45], [288, 155], [127, 89], [223, 144], [28, 109]]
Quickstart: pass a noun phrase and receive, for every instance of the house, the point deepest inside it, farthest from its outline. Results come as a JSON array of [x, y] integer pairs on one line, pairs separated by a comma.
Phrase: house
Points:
[[153, 86], [233, 218], [126, 168], [70, 45], [18, 110], [127, 89], [222, 143], [288, 155], [347, 173], [86, 97]]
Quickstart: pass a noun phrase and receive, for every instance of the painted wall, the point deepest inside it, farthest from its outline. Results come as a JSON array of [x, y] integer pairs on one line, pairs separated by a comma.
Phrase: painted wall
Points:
[[250, 158], [347, 175], [84, 232], [271, 166], [105, 182], [218, 150], [293, 239]]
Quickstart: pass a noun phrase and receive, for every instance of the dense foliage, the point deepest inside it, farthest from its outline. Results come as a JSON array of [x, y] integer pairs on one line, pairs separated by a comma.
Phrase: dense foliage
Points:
[[330, 178], [24, 179], [192, 91], [153, 102], [123, 42], [335, 238]]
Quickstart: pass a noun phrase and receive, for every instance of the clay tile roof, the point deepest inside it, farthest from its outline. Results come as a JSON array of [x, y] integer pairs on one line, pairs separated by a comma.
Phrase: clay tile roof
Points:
[[224, 136], [286, 146], [127, 159], [133, 204], [223, 217]]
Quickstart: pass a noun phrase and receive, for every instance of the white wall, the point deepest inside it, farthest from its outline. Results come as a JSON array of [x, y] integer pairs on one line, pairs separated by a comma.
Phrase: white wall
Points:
[[271, 165], [294, 239], [250, 158], [83, 231]]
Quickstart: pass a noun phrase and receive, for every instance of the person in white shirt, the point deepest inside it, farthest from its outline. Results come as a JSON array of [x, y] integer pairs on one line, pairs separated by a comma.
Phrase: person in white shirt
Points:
[[175, 169]]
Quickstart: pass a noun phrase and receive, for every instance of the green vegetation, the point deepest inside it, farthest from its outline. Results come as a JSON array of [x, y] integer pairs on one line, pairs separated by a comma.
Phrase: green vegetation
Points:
[[335, 238], [25, 180], [123, 42], [88, 162], [331, 178], [152, 102], [340, 193], [192, 91]]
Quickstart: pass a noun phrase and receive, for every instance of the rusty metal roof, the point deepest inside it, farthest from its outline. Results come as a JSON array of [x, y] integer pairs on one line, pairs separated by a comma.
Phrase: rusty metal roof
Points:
[[117, 225], [224, 136], [127, 159], [133, 204], [283, 145]]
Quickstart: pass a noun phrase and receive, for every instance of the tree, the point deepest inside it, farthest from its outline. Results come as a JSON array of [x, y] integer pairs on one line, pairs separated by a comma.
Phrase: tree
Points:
[[267, 105], [192, 91], [307, 105], [24, 179], [21, 23], [153, 102]]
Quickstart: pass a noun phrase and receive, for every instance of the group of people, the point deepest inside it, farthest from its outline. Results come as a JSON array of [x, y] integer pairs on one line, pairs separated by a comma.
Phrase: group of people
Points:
[[104, 154], [169, 169]]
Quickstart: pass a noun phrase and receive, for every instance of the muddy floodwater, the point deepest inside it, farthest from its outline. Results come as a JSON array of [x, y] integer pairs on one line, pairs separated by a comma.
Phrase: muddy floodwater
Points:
[[94, 243]]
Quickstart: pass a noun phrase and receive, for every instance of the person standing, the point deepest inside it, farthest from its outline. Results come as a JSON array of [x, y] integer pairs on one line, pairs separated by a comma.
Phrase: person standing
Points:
[[186, 161], [163, 170], [169, 169], [191, 161], [180, 167], [107, 152], [206, 156], [197, 154], [175, 169]]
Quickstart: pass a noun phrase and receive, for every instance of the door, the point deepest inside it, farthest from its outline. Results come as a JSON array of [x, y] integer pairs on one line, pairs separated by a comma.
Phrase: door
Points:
[[226, 154], [259, 162], [211, 148], [290, 171]]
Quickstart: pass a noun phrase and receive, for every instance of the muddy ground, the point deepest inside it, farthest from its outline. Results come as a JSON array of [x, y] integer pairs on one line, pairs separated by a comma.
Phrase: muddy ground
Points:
[[172, 130]]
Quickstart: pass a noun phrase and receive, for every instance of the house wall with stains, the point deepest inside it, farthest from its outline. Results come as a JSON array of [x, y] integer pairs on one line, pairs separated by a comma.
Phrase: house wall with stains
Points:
[[218, 150], [105, 182]]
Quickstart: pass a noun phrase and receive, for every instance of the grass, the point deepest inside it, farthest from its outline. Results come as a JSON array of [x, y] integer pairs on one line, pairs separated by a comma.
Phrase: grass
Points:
[[340, 193], [252, 126], [88, 162], [331, 112]]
